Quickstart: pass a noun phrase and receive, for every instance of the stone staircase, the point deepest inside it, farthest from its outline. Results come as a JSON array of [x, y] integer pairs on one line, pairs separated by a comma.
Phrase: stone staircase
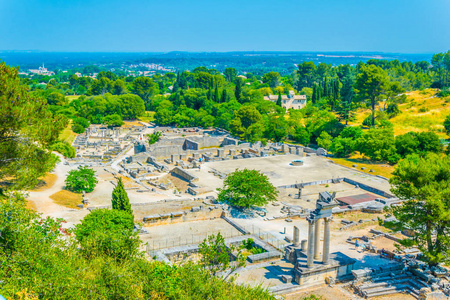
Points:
[[386, 284]]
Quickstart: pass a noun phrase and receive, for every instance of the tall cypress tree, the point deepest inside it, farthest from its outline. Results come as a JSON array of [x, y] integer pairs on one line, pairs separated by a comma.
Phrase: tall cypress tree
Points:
[[216, 93], [237, 91], [325, 87], [120, 199], [314, 94], [224, 96], [279, 99], [319, 92]]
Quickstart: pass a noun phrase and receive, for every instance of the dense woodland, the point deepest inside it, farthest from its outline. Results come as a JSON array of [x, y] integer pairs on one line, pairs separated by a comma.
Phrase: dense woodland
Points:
[[207, 97]]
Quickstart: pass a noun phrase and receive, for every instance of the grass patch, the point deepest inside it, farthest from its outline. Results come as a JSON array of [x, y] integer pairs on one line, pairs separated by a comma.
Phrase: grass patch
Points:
[[148, 117], [45, 182], [67, 135], [67, 198], [381, 169]]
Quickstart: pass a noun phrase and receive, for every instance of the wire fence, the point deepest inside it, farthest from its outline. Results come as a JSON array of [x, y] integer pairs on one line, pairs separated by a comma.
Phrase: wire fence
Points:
[[193, 239]]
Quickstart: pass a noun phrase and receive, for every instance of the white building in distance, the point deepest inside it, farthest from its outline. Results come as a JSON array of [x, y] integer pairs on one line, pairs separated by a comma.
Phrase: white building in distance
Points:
[[289, 101]]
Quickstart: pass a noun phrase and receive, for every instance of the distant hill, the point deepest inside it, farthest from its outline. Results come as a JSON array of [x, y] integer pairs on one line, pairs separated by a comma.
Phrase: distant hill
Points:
[[254, 62]]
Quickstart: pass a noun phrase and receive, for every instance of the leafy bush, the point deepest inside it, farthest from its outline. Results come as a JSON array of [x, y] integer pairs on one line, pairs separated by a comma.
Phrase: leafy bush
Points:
[[80, 180], [65, 149], [154, 137], [80, 124], [392, 110]]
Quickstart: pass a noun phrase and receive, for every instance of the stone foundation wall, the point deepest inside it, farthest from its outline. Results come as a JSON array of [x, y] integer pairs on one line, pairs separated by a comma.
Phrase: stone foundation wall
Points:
[[186, 216]]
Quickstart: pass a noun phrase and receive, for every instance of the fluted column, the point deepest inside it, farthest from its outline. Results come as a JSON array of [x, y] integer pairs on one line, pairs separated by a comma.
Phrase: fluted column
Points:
[[326, 241], [310, 254], [317, 239]]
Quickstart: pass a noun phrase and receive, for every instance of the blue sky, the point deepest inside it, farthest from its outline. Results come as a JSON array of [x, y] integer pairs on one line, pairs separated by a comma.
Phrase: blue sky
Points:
[[403, 26]]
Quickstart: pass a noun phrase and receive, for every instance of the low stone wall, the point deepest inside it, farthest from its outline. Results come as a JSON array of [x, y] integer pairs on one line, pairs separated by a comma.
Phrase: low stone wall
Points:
[[196, 214], [184, 174]]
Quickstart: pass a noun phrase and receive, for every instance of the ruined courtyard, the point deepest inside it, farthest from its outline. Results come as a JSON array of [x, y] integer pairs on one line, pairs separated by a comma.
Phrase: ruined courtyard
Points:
[[172, 186]]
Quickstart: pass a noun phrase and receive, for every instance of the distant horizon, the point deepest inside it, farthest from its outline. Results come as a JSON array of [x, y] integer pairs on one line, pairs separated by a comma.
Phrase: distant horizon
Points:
[[232, 51]]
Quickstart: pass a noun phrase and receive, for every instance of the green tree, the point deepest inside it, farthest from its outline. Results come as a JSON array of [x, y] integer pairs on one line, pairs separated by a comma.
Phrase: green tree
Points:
[[114, 120], [56, 98], [230, 74], [345, 144], [306, 71], [247, 124], [144, 87], [80, 124], [108, 232], [247, 188], [447, 124], [82, 179], [28, 129], [379, 144], [424, 184], [120, 199], [371, 83], [273, 79], [215, 256], [132, 106], [279, 99], [238, 89], [324, 140]]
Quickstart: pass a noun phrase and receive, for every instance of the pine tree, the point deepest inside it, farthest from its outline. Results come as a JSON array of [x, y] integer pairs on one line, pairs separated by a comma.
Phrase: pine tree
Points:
[[279, 99], [120, 199]]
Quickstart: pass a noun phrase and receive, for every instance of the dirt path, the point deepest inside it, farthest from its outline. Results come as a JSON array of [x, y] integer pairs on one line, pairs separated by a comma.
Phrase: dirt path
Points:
[[46, 206]]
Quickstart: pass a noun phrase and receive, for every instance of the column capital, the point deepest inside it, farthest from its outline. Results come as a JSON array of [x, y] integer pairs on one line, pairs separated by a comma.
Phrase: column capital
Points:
[[328, 219], [311, 221]]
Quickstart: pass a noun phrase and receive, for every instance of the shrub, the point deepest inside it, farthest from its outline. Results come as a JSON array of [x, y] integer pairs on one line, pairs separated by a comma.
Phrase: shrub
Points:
[[65, 149]]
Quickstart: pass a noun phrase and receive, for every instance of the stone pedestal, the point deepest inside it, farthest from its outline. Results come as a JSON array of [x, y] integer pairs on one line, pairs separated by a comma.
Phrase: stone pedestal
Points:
[[304, 245], [340, 267]]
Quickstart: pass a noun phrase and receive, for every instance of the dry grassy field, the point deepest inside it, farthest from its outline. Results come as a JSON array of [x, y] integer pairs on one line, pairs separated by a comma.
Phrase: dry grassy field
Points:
[[422, 111], [66, 198]]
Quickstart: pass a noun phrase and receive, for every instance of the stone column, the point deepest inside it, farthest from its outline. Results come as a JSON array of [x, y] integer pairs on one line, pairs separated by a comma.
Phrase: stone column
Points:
[[296, 236], [317, 240], [326, 241], [310, 254]]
